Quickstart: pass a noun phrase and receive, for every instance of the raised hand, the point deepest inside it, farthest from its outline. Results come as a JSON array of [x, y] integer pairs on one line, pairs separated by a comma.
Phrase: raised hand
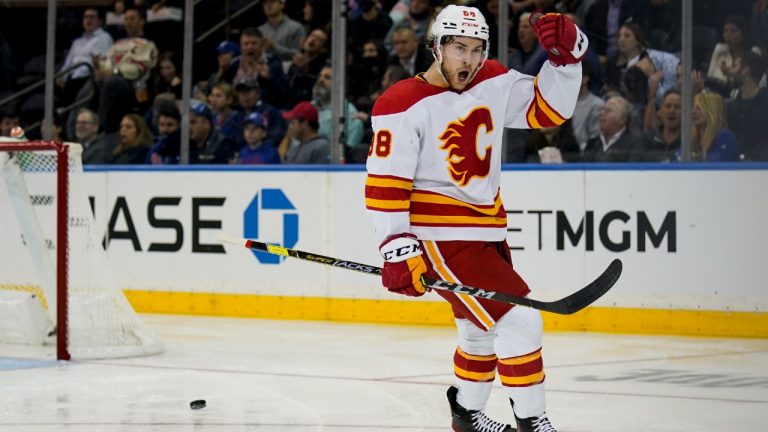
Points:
[[560, 37]]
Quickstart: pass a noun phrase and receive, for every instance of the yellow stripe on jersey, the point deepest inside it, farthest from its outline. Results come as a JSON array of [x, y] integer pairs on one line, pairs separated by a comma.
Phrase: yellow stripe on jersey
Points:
[[388, 182], [388, 204], [429, 198], [472, 304], [476, 376], [533, 122], [513, 361], [523, 380], [464, 220]]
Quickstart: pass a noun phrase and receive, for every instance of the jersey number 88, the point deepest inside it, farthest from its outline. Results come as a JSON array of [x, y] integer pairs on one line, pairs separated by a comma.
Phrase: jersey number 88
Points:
[[381, 144]]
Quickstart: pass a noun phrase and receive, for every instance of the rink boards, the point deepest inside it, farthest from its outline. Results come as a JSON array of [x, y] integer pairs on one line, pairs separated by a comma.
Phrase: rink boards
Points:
[[693, 242]]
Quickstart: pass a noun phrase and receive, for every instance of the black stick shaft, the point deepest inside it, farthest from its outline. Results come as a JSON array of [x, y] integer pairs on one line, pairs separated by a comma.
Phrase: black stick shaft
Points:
[[565, 306]]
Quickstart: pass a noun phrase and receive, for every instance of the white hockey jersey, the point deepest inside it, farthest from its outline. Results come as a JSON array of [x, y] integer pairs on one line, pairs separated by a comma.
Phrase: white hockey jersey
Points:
[[435, 160]]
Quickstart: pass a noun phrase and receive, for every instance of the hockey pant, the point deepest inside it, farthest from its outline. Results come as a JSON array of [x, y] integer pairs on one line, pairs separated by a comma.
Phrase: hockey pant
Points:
[[493, 336]]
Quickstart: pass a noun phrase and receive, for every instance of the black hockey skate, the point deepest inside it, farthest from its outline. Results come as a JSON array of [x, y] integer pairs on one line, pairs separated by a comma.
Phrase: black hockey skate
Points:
[[535, 424], [472, 421]]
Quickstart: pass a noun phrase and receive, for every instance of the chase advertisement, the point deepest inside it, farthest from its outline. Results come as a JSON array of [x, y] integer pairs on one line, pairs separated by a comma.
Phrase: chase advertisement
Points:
[[689, 239]]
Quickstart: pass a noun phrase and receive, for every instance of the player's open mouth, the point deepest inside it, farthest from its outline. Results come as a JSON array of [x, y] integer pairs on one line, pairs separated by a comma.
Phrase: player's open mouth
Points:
[[463, 75]]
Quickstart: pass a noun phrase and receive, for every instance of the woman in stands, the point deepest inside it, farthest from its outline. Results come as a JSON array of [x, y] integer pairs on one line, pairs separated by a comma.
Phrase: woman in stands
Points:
[[736, 41], [711, 140], [634, 51], [133, 141], [226, 120], [167, 78]]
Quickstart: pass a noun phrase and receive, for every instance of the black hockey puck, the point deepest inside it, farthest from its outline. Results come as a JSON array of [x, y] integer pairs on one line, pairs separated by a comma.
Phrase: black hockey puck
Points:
[[197, 404]]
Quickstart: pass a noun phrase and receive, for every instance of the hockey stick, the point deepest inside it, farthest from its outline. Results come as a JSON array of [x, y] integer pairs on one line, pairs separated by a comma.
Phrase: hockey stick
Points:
[[565, 306]]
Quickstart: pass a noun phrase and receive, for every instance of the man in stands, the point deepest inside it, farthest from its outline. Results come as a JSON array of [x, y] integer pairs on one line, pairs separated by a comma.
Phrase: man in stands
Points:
[[122, 73], [206, 145], [282, 35], [321, 97], [306, 66], [165, 150], [255, 63], [97, 149], [616, 143], [93, 42], [748, 111], [663, 142], [312, 148], [408, 52]]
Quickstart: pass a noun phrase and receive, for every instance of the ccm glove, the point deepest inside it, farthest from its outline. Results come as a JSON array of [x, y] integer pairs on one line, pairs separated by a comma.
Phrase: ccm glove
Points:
[[403, 265], [560, 37]]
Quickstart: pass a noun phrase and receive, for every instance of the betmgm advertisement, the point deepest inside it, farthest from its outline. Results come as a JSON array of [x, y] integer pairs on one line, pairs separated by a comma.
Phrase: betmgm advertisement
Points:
[[693, 244]]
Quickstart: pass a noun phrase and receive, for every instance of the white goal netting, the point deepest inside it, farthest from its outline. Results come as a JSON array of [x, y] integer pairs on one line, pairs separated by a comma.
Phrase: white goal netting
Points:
[[101, 322]]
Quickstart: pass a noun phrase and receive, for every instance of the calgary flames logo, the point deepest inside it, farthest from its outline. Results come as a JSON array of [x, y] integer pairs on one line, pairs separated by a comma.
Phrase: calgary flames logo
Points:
[[460, 141]]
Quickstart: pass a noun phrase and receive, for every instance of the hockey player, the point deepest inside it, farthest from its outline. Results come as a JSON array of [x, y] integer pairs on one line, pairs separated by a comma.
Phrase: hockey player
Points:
[[432, 193]]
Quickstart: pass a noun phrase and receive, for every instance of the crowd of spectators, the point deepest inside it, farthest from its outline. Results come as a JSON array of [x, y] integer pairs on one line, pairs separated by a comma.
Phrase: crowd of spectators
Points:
[[266, 96]]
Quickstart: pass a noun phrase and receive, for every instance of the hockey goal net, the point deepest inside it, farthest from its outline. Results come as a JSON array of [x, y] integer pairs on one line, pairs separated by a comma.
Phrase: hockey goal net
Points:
[[55, 282]]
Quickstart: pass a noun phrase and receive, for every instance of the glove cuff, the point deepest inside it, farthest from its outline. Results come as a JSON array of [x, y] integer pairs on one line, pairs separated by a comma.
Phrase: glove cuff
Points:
[[580, 46], [400, 247]]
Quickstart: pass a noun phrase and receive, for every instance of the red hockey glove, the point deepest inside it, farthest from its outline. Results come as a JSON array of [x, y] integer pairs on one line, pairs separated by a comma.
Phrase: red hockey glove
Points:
[[560, 37], [403, 265]]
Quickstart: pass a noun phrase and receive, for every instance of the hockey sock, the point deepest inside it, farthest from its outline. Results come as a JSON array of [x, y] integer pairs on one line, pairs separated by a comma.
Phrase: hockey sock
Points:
[[523, 380], [521, 370], [474, 365], [475, 375]]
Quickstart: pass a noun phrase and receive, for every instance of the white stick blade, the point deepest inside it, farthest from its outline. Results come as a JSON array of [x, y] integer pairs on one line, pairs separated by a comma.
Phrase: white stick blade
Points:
[[224, 238]]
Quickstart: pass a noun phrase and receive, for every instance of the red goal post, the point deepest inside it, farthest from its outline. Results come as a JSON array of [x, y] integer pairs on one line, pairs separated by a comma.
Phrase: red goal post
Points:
[[51, 249]]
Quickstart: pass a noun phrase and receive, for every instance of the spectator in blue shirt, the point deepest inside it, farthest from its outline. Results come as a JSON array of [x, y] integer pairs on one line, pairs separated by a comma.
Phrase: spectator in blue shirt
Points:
[[249, 101], [256, 150], [225, 120], [711, 140]]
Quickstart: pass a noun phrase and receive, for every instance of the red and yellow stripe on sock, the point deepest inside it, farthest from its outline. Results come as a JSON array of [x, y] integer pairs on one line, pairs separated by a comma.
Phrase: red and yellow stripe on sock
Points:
[[471, 367], [522, 371]]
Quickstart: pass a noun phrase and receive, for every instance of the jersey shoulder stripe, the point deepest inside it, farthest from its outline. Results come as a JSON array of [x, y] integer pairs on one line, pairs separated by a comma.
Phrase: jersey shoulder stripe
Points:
[[406, 93], [403, 95]]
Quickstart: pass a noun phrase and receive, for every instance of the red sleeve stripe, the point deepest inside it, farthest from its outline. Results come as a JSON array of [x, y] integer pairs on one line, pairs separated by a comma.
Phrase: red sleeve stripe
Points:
[[428, 209], [433, 209], [387, 193]]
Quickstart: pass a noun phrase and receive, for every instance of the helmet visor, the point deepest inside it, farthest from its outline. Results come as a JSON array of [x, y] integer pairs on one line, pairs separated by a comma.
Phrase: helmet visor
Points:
[[462, 52]]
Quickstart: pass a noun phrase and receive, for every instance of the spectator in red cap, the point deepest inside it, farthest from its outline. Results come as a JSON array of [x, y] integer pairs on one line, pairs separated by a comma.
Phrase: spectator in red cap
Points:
[[312, 148]]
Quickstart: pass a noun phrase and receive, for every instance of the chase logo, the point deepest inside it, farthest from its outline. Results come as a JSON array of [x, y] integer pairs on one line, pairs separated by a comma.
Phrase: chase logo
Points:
[[263, 214]]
